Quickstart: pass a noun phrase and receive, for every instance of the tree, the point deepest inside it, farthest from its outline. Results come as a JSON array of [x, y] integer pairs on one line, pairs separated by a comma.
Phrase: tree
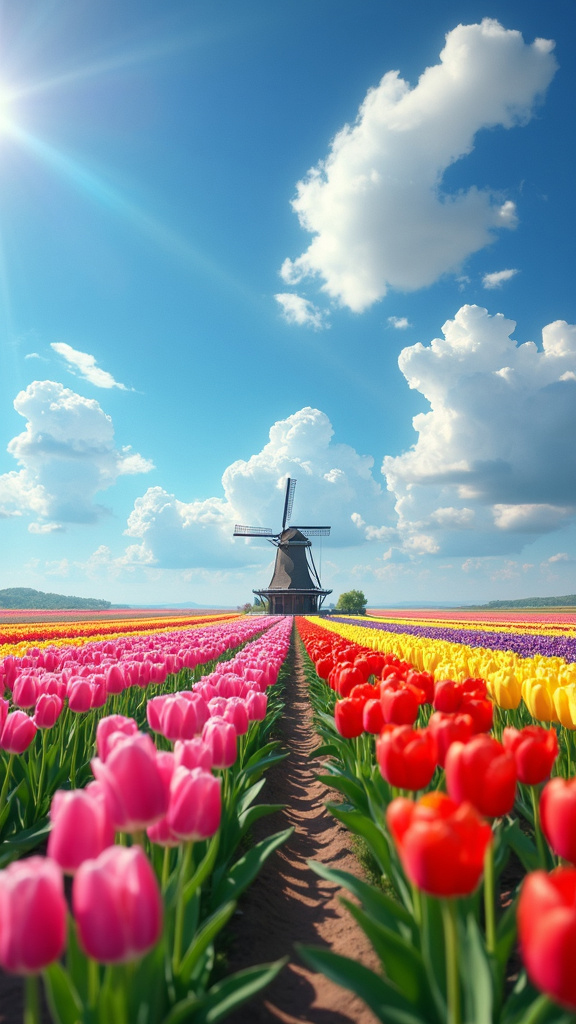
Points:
[[353, 602]]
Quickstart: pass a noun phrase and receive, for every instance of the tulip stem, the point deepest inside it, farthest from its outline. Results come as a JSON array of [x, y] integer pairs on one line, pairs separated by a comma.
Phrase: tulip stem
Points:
[[451, 949], [40, 792], [489, 898], [31, 1000], [534, 793], [179, 921], [538, 1011], [4, 793], [166, 868]]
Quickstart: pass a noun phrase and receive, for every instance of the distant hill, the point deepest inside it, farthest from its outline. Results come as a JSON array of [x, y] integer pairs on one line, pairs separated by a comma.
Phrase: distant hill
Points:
[[568, 600], [24, 597]]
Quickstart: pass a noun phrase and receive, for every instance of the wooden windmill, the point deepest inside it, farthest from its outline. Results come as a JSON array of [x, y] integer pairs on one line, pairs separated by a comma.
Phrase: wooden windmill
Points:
[[295, 587]]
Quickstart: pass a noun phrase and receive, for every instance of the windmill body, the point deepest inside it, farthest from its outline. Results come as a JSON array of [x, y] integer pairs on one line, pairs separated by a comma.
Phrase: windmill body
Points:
[[295, 587]]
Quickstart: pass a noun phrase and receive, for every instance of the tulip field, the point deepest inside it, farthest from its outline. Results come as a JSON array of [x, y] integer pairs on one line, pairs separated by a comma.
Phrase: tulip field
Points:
[[134, 755]]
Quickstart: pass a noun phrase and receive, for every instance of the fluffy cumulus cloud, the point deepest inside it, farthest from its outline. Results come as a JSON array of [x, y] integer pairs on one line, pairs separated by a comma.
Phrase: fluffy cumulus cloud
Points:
[[86, 366], [497, 278], [300, 311], [66, 454], [495, 463], [334, 482], [376, 206]]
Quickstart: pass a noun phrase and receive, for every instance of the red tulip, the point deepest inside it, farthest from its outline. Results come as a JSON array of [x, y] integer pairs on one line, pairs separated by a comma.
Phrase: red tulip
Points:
[[483, 773], [400, 704], [441, 843], [373, 717], [348, 676], [81, 826], [547, 932], [32, 915], [348, 717], [117, 905], [406, 756], [18, 732], [534, 749], [195, 804], [449, 728], [558, 816]]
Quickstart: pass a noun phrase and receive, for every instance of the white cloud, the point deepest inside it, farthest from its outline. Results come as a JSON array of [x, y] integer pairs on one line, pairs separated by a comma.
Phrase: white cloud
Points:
[[495, 452], [86, 366], [300, 311], [399, 322], [376, 207], [497, 278], [67, 455], [333, 481]]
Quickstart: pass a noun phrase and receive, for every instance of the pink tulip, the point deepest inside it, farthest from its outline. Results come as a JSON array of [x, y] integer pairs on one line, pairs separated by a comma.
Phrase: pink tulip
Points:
[[115, 680], [32, 915], [117, 905], [237, 713], [81, 826], [17, 733], [195, 804], [182, 718], [194, 753], [135, 790], [79, 695], [220, 736], [48, 710], [110, 730], [4, 709], [154, 711], [256, 705], [25, 691]]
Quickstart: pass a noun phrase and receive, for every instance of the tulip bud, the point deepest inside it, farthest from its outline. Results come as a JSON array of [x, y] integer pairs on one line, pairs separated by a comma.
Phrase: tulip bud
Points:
[[81, 826], [547, 932], [32, 915], [117, 905], [18, 732], [220, 736], [134, 787], [48, 709], [195, 804]]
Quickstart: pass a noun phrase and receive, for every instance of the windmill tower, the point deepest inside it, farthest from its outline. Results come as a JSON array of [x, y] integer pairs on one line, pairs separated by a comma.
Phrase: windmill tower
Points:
[[295, 587]]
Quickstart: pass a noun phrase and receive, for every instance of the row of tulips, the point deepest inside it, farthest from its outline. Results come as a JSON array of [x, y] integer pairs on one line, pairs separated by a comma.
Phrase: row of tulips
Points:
[[54, 698], [15, 638], [443, 804], [544, 684], [152, 845]]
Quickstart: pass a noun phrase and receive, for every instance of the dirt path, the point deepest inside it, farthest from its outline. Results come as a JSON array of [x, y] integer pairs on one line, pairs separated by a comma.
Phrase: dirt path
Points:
[[288, 903]]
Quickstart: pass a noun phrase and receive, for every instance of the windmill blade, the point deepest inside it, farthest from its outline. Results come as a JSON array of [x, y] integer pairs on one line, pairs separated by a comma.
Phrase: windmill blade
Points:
[[288, 501], [314, 531], [252, 531]]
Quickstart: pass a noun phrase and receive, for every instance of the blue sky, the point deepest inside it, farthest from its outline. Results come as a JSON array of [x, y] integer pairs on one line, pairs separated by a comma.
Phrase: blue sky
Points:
[[243, 240]]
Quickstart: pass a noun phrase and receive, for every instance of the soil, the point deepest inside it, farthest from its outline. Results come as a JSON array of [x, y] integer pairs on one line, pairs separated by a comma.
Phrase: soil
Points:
[[288, 902]]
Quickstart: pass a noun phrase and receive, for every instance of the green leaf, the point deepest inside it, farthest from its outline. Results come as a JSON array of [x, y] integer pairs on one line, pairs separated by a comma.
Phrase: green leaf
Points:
[[253, 814], [377, 904], [244, 871], [363, 826], [325, 750], [384, 1000], [222, 999], [204, 868], [350, 788], [476, 975], [402, 963], [63, 1000], [204, 937], [523, 847]]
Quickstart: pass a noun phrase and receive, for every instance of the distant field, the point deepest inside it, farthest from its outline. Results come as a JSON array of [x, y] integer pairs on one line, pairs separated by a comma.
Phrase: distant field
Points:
[[16, 615], [565, 615]]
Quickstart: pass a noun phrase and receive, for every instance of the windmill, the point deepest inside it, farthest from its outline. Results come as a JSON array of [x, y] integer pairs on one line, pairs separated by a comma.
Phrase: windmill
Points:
[[295, 587]]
